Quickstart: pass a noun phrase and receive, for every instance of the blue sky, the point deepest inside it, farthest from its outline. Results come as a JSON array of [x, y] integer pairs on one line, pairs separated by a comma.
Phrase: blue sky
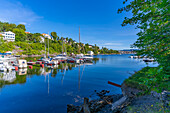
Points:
[[99, 22]]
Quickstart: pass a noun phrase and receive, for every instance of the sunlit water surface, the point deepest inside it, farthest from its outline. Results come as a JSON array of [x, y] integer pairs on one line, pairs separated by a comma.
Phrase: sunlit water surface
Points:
[[50, 90]]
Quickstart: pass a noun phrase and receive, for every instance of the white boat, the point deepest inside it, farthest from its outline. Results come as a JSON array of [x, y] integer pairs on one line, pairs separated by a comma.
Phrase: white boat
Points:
[[5, 58], [53, 62], [131, 56], [148, 59], [4, 66], [3, 69], [60, 57], [22, 63], [134, 56], [85, 57], [88, 58], [74, 60], [1, 62]]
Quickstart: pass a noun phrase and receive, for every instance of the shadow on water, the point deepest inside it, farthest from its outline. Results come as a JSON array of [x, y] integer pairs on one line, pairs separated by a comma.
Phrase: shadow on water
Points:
[[20, 76]]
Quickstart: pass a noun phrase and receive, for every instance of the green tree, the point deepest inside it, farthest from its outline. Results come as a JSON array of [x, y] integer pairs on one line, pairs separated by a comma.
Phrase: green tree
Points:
[[152, 18], [20, 34], [54, 35], [37, 37], [95, 49], [30, 37], [1, 26], [1, 40], [21, 26], [8, 27]]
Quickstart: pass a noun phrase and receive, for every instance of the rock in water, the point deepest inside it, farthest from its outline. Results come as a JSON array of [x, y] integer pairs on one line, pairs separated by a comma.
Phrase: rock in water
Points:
[[86, 105]]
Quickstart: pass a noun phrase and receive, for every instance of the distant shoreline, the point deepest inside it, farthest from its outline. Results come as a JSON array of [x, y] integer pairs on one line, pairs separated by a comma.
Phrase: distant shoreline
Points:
[[52, 55]]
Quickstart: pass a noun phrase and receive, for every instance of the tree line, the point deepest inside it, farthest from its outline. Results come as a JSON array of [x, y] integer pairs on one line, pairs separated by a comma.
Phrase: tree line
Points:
[[31, 43]]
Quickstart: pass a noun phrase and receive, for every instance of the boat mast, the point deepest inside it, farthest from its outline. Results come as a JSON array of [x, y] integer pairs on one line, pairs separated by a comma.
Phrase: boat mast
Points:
[[48, 45], [45, 50], [79, 41], [62, 43], [79, 78]]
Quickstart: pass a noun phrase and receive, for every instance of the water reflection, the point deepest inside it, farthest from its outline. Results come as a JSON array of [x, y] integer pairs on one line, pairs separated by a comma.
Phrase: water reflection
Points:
[[8, 76], [22, 71], [15, 77], [11, 77]]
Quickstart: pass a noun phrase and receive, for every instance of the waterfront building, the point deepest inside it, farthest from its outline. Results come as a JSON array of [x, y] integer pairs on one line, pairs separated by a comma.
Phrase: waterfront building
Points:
[[90, 46], [27, 32], [65, 40], [42, 39], [90, 52], [47, 36], [8, 36], [74, 41]]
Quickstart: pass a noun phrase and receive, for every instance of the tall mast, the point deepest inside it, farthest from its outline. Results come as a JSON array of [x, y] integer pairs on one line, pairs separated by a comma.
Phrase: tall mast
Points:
[[79, 40], [45, 48], [62, 43], [48, 45]]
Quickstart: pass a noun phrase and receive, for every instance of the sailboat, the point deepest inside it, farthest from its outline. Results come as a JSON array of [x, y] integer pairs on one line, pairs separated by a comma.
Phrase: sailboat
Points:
[[48, 60], [43, 59], [61, 57], [82, 57]]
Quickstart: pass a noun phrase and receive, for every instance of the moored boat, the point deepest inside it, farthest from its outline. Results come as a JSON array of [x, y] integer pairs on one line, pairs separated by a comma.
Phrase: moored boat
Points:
[[148, 60], [22, 63], [31, 63]]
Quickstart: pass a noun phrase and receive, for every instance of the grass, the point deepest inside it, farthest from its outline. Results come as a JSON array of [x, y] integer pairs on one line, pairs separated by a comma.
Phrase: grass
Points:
[[138, 80], [156, 108]]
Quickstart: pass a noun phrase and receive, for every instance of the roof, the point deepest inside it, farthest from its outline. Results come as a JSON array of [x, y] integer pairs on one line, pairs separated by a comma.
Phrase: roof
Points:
[[45, 34], [8, 52], [5, 53], [27, 32], [9, 32]]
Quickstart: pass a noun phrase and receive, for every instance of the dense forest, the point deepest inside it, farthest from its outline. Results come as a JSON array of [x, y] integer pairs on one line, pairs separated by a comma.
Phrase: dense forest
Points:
[[31, 43]]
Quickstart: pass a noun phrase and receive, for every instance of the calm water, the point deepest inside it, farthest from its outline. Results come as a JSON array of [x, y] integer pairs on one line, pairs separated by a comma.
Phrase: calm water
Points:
[[50, 90]]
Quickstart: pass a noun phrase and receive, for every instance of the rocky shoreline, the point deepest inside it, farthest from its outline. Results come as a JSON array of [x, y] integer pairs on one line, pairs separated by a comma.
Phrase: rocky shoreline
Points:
[[127, 102], [102, 104]]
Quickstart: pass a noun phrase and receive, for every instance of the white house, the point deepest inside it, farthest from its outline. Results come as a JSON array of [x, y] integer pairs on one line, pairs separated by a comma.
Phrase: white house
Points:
[[42, 39], [64, 40], [47, 36], [90, 46], [90, 52], [8, 36]]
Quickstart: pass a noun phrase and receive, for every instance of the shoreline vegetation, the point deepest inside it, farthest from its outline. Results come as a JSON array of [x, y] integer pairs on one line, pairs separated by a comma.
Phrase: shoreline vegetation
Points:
[[52, 55], [27, 43]]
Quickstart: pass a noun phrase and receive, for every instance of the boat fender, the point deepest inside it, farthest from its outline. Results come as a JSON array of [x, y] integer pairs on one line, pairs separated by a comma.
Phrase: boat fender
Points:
[[31, 67], [16, 68]]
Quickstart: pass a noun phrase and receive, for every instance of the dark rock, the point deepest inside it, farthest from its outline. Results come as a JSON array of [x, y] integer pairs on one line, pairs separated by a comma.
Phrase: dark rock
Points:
[[102, 93], [74, 109], [128, 91]]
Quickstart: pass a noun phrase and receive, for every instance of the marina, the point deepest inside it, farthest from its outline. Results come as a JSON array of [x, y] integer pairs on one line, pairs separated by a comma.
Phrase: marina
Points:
[[89, 56], [58, 85]]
